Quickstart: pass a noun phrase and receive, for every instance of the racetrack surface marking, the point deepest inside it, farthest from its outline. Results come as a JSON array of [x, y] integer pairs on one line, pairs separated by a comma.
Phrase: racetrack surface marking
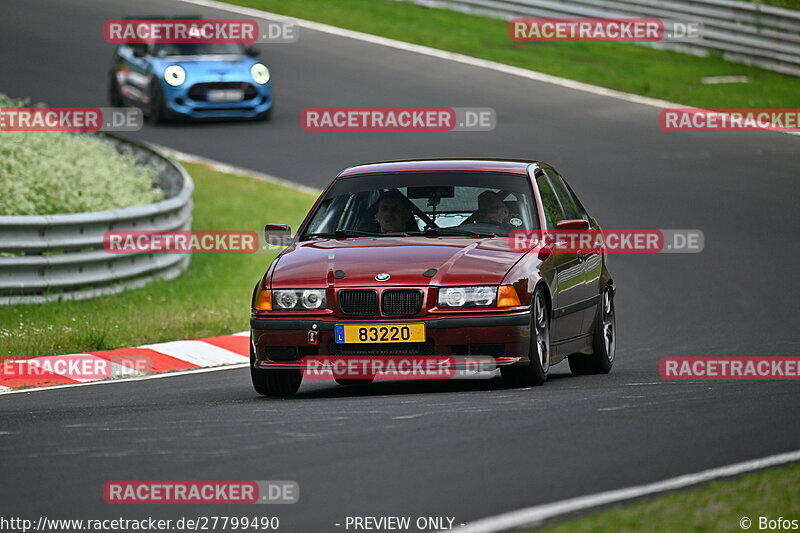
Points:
[[534, 516]]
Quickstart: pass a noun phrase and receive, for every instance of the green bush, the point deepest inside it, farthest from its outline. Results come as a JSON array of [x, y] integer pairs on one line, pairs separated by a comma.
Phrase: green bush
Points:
[[46, 173]]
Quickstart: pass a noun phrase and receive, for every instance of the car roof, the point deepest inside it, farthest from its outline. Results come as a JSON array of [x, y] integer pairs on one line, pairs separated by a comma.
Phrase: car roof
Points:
[[511, 166]]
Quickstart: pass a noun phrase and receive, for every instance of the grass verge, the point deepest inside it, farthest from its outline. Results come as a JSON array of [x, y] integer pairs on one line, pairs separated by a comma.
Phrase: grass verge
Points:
[[635, 69], [211, 298], [788, 4], [715, 508]]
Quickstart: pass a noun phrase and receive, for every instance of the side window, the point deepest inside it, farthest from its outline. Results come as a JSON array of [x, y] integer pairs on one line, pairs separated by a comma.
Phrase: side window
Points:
[[552, 208], [582, 210], [355, 214], [137, 46], [569, 203]]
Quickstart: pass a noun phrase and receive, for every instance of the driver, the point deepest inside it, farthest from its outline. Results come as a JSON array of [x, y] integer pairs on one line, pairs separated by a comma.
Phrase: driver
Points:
[[491, 209], [394, 214]]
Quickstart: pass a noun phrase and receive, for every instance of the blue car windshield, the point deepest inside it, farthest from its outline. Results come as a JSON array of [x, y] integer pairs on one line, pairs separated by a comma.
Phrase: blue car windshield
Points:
[[196, 49]]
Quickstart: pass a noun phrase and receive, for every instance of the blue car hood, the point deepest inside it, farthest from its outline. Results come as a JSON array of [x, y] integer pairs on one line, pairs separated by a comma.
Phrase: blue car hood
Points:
[[209, 68]]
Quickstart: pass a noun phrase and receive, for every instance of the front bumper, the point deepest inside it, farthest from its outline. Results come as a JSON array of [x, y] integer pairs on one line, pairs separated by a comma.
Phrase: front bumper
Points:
[[284, 342], [187, 102]]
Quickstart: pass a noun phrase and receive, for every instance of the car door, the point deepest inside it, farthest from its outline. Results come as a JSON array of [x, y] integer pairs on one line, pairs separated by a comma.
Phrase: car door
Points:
[[567, 317], [587, 295], [593, 261]]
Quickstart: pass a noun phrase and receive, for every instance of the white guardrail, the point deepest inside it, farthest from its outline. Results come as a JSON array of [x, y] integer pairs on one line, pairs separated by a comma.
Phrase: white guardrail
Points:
[[51, 257], [743, 32]]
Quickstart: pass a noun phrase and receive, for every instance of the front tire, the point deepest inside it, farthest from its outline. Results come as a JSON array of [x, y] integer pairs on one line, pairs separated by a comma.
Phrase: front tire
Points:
[[280, 383], [157, 112], [604, 342], [114, 95], [540, 349]]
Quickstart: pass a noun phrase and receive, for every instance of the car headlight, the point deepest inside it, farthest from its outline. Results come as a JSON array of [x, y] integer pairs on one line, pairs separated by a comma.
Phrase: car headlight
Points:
[[468, 296], [298, 299], [260, 73], [313, 299], [174, 75]]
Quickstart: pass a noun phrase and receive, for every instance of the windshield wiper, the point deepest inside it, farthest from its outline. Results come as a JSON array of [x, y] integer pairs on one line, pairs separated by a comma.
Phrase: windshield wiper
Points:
[[454, 231], [341, 234]]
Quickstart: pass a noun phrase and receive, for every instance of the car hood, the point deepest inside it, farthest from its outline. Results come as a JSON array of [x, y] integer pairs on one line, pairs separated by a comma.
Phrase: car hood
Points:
[[218, 67], [458, 261]]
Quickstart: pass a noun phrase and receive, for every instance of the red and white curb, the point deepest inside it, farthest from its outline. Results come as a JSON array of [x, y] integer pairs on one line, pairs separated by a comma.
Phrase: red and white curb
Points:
[[61, 370]]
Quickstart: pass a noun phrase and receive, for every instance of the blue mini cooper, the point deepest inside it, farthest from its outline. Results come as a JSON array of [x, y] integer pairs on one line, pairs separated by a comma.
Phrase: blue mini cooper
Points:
[[191, 80]]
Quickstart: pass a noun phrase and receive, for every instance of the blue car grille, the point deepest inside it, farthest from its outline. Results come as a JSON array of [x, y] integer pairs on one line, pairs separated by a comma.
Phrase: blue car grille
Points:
[[198, 91]]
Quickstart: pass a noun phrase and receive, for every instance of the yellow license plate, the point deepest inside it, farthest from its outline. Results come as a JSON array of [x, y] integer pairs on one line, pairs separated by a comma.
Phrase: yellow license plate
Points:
[[378, 333]]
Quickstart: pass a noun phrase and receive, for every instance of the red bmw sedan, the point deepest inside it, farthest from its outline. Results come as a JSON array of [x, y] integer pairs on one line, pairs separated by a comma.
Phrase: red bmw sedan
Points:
[[416, 259]]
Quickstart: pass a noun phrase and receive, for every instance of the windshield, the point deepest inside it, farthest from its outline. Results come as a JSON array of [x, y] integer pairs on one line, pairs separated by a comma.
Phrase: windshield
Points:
[[472, 204], [197, 49]]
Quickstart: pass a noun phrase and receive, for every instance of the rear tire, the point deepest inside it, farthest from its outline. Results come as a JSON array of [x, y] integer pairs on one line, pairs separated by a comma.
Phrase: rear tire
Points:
[[540, 349], [604, 341], [279, 383]]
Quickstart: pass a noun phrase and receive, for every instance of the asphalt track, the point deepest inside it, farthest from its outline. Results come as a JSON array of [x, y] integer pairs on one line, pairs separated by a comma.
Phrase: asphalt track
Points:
[[470, 448]]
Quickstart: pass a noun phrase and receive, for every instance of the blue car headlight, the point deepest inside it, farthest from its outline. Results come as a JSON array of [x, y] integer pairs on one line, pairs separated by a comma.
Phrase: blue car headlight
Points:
[[174, 75], [260, 73]]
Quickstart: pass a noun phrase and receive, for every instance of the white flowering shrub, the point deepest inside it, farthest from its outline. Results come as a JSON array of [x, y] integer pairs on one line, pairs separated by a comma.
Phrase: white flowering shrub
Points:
[[52, 172]]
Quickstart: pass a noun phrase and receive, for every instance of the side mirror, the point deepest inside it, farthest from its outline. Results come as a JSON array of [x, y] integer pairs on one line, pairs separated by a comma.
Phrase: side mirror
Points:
[[139, 52], [545, 252], [278, 234], [573, 224], [252, 51]]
